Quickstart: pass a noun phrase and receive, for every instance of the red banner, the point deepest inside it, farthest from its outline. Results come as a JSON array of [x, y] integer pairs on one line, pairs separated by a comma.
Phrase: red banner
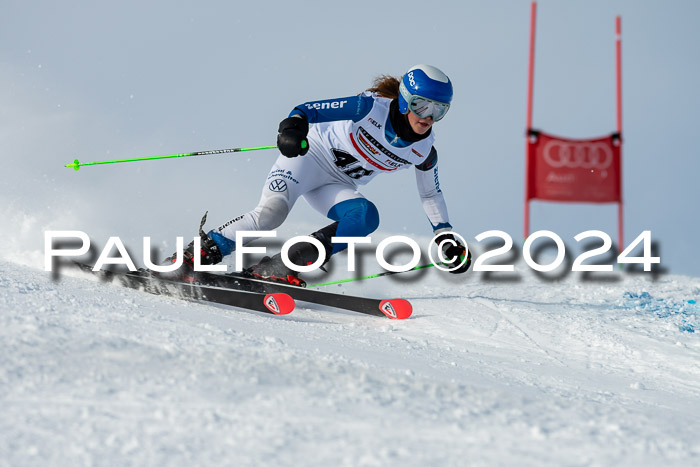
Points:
[[575, 170]]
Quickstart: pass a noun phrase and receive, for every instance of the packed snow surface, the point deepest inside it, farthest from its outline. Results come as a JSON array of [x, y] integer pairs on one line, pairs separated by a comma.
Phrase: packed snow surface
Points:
[[525, 372]]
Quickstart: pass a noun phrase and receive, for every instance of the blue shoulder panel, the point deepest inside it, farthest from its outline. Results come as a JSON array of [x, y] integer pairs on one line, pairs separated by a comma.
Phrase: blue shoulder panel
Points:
[[353, 108]]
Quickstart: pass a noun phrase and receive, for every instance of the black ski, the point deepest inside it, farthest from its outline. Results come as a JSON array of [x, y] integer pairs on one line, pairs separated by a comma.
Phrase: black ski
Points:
[[396, 308], [278, 303]]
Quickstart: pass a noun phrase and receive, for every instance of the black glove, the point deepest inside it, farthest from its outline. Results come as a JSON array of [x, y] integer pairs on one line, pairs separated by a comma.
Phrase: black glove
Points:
[[454, 251], [291, 139]]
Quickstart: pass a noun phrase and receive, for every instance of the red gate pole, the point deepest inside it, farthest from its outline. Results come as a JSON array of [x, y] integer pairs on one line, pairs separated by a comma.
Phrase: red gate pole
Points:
[[618, 73], [530, 84]]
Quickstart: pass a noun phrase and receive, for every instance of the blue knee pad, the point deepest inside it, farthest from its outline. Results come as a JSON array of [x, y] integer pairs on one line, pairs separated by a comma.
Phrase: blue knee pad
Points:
[[357, 217]]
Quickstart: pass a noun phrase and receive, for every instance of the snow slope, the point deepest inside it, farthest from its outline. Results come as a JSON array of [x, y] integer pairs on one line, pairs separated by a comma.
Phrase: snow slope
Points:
[[508, 373]]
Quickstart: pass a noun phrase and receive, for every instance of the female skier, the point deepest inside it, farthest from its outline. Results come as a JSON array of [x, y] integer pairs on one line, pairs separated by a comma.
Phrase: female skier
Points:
[[330, 147]]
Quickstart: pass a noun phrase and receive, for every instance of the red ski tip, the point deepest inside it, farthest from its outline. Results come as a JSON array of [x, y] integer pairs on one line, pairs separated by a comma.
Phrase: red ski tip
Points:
[[397, 308], [279, 303]]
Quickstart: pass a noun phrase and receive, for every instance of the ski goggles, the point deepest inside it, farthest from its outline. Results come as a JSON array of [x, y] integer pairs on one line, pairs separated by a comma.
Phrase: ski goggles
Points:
[[424, 107]]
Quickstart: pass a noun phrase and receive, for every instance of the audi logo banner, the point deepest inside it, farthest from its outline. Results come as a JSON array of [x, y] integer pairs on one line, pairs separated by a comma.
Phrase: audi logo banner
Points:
[[573, 170]]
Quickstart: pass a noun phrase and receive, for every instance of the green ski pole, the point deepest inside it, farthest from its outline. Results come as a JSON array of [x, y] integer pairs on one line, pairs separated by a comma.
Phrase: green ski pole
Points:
[[77, 164], [372, 276]]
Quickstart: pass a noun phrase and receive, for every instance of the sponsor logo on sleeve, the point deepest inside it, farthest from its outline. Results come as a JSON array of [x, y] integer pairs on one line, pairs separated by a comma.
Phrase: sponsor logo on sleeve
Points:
[[326, 105]]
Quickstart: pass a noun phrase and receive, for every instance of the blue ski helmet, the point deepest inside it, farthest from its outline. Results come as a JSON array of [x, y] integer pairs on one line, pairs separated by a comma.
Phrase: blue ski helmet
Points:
[[427, 82]]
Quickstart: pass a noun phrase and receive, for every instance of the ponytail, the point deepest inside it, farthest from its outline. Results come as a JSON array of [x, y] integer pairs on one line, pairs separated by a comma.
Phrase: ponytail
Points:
[[386, 86]]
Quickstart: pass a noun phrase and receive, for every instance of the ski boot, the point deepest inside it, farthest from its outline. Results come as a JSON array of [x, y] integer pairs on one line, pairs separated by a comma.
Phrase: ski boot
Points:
[[301, 254], [209, 254]]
